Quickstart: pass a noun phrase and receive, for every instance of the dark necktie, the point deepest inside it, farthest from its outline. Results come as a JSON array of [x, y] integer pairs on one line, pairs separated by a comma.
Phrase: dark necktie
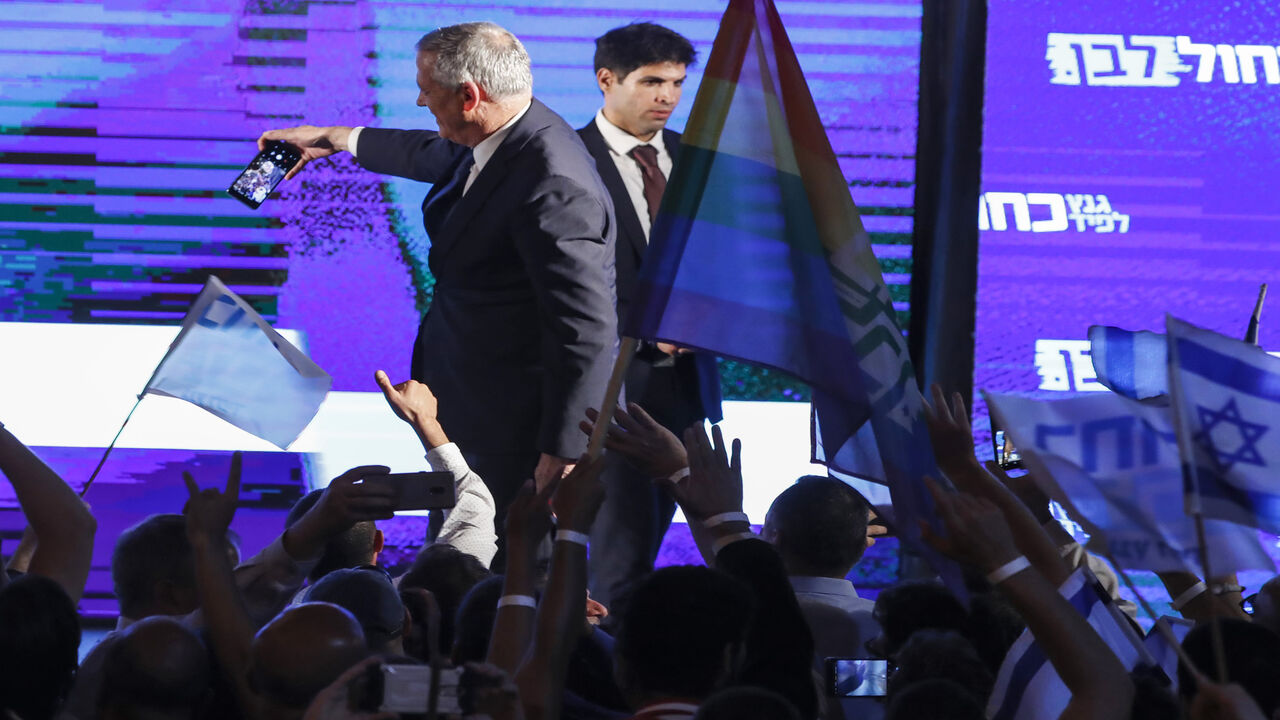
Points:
[[436, 209], [646, 156]]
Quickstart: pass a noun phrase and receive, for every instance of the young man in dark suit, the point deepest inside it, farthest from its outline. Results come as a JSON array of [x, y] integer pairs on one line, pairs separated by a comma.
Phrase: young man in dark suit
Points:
[[521, 333], [640, 69]]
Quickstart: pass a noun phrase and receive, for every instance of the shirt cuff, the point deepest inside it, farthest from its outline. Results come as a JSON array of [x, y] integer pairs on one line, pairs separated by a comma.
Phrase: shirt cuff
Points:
[[448, 458], [275, 556], [728, 540], [353, 139]]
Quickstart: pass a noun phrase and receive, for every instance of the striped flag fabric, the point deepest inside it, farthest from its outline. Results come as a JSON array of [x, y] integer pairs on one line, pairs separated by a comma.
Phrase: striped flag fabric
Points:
[[758, 253], [1028, 688], [1226, 399], [1130, 363], [231, 362], [1164, 655]]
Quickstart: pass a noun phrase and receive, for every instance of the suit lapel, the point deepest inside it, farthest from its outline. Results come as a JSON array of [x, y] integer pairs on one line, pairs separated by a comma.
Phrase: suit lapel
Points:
[[491, 175], [624, 210]]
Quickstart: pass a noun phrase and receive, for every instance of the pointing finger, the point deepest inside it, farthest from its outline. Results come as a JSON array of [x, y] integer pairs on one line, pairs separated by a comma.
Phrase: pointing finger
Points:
[[192, 488], [233, 479]]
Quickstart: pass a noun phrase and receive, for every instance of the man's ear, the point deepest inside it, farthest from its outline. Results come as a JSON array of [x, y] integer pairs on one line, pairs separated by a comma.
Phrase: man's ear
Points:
[[379, 540], [605, 79], [472, 95]]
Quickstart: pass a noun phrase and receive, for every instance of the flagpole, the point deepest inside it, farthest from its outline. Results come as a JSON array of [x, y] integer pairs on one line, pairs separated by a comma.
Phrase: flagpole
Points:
[[88, 483], [1251, 335], [1162, 627], [611, 393], [1215, 621]]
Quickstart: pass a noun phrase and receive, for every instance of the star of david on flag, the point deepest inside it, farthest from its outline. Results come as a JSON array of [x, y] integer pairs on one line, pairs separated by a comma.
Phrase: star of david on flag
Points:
[[1226, 396]]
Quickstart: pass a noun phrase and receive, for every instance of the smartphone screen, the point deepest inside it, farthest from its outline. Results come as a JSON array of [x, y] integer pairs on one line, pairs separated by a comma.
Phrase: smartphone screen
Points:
[[1006, 455], [264, 173], [420, 490], [856, 677]]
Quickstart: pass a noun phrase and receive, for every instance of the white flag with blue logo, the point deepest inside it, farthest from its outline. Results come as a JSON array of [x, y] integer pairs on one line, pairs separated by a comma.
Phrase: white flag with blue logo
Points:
[[1028, 688], [1113, 463], [1130, 363], [229, 361], [1226, 397]]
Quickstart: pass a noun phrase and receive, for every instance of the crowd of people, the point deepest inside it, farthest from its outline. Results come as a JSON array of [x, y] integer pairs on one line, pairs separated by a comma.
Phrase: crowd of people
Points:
[[311, 627]]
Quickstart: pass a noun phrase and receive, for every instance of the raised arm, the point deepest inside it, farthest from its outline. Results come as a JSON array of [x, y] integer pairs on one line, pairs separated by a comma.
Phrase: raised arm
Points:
[[528, 522], [952, 439], [62, 524], [977, 533], [469, 525], [559, 621]]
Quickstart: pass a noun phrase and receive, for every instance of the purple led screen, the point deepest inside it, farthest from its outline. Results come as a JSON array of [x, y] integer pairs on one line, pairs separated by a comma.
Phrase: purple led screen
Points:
[[122, 124], [1127, 155]]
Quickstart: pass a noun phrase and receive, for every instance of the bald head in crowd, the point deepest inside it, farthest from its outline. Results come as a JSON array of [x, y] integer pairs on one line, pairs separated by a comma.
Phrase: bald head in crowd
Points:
[[300, 652], [159, 670]]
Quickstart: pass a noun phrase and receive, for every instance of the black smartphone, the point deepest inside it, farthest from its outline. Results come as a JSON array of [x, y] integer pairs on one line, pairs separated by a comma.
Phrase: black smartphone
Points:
[[856, 677], [419, 490], [264, 173], [404, 689], [1006, 455]]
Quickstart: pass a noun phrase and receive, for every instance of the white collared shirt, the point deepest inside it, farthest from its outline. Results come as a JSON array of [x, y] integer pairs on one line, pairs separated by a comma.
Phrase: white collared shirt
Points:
[[620, 143], [483, 152]]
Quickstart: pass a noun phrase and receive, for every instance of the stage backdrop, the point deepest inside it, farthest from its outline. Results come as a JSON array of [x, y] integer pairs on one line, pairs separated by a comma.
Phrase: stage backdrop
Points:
[[1127, 155], [123, 122]]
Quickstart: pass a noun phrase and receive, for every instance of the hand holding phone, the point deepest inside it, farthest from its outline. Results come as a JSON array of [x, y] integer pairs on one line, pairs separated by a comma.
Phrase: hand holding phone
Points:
[[264, 173], [418, 490], [856, 677]]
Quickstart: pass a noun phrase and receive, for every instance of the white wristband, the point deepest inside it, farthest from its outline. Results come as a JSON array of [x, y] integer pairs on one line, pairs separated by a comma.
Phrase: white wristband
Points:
[[728, 517], [571, 536], [1188, 595], [1008, 570], [678, 475], [517, 600]]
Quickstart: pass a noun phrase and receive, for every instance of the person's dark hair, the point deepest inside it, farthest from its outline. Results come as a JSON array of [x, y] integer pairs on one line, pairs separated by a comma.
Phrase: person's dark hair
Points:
[[352, 548], [39, 645], [1153, 697], [994, 625], [1253, 660], [473, 627], [152, 551], [934, 700], [821, 526], [369, 595], [940, 654], [157, 665], [746, 703], [915, 605], [675, 630], [626, 48], [448, 574]]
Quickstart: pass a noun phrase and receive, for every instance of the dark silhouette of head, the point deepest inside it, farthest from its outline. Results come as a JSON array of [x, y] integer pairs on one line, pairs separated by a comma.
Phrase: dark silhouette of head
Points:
[[1253, 660], [914, 605], [356, 546], [369, 595], [747, 703], [448, 574], [474, 626], [934, 700], [819, 526], [300, 652], [157, 669], [681, 635], [39, 642], [940, 654], [153, 568]]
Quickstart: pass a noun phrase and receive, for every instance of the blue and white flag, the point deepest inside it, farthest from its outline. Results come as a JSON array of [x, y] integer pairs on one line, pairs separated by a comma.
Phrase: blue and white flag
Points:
[[1226, 400], [1130, 363], [1164, 655], [1113, 464], [1028, 688], [229, 361]]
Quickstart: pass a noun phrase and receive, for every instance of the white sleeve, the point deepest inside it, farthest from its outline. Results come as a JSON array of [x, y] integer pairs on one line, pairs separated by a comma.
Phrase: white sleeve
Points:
[[469, 526]]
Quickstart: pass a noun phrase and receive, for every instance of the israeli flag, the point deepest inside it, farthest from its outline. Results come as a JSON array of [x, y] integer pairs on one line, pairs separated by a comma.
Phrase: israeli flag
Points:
[[1130, 363], [231, 362], [1028, 688], [1164, 654], [1113, 464], [1226, 400]]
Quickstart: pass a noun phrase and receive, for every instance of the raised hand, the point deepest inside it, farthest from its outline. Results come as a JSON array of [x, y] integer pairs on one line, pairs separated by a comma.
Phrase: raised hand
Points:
[[950, 433], [653, 449], [976, 529], [550, 469], [209, 511], [343, 504], [314, 142], [414, 403], [579, 496], [529, 515], [714, 485]]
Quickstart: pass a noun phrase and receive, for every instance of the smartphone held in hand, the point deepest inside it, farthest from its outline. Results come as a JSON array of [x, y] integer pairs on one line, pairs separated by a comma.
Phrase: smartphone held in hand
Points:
[[264, 173], [856, 677], [419, 490]]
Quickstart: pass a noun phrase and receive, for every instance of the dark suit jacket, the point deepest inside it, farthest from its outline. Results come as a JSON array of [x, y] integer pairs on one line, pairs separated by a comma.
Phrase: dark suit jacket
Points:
[[631, 247], [521, 333]]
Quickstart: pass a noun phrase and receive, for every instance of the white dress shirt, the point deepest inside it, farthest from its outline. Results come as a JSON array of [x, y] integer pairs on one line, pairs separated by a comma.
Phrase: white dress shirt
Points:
[[620, 143]]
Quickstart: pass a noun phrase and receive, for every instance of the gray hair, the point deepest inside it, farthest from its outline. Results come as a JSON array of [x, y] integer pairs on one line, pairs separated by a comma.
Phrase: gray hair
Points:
[[480, 52]]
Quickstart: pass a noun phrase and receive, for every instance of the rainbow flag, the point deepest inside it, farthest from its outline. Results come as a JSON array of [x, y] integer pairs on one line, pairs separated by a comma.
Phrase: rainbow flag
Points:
[[758, 253]]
